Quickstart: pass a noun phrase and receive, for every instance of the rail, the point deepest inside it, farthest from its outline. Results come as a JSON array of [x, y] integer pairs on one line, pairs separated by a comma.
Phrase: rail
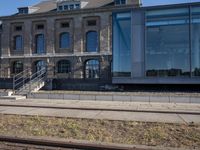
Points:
[[73, 144]]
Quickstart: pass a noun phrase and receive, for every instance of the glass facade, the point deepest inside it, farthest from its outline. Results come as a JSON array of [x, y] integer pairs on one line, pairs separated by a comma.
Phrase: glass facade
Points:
[[40, 44], [195, 20], [64, 40], [168, 43], [92, 41], [122, 44]]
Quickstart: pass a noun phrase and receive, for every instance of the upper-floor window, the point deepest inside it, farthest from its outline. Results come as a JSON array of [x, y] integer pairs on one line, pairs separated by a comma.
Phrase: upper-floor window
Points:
[[64, 25], [91, 22], [120, 2], [65, 40], [71, 7], [23, 10], [66, 7], [18, 28], [92, 41], [77, 6], [60, 8], [40, 44], [40, 26], [18, 43]]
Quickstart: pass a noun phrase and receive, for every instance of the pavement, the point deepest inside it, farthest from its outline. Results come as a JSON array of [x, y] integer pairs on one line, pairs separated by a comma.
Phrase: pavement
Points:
[[126, 111]]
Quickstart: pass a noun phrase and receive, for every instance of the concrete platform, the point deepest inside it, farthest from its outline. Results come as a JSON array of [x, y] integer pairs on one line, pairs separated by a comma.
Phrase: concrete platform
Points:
[[127, 111]]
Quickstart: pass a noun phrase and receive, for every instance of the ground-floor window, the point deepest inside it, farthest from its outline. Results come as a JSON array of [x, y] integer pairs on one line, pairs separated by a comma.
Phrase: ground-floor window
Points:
[[17, 67], [63, 66], [92, 69]]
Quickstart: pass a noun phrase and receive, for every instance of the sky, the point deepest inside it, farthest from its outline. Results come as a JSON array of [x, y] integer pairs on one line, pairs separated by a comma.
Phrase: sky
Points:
[[9, 7]]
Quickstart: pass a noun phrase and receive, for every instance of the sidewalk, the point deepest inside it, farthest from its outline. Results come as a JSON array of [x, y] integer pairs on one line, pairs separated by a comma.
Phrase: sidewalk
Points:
[[128, 111]]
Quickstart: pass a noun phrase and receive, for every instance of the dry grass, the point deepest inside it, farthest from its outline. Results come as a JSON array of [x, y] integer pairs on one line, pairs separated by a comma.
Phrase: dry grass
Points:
[[154, 134]]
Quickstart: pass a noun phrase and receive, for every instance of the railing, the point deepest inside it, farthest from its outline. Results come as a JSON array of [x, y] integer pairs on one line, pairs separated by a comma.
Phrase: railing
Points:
[[24, 82]]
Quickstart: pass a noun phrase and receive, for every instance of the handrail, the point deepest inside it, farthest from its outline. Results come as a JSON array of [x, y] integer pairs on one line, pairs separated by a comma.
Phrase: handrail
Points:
[[28, 81]]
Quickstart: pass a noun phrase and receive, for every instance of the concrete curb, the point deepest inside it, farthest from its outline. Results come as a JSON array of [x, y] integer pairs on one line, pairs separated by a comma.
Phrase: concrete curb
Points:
[[113, 97]]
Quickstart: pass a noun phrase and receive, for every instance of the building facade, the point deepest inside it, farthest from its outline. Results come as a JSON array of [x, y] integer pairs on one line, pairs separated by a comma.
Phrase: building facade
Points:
[[157, 45], [89, 43]]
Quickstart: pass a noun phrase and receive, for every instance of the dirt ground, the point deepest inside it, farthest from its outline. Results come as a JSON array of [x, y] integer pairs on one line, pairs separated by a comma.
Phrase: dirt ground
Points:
[[138, 133]]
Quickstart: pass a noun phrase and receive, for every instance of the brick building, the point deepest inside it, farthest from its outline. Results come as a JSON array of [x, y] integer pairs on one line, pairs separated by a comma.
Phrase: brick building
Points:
[[72, 38]]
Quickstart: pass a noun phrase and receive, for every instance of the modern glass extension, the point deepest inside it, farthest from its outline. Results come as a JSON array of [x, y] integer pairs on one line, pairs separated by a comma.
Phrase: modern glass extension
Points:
[[157, 45], [122, 44], [169, 50]]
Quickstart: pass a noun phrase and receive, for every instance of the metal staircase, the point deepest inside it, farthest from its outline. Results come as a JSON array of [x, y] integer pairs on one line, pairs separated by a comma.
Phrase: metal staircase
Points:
[[25, 83]]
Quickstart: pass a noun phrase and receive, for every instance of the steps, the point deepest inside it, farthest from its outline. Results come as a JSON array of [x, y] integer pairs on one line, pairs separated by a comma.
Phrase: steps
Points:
[[7, 95]]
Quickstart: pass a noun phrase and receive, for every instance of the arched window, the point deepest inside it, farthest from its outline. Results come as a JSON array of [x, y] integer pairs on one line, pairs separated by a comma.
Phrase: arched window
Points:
[[18, 45], [65, 40], [64, 66], [40, 44], [17, 67], [91, 41], [92, 69]]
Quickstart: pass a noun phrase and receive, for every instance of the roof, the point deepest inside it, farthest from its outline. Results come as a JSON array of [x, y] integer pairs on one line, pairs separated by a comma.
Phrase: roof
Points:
[[50, 5]]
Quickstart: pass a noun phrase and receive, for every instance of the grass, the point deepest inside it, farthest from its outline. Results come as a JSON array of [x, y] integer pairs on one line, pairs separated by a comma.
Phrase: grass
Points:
[[139, 133]]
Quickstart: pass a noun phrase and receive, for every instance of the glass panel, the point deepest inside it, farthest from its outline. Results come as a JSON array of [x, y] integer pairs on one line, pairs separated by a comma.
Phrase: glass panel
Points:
[[40, 65], [195, 41], [92, 69], [64, 66], [167, 47], [92, 41], [18, 43], [122, 45], [65, 40], [40, 46]]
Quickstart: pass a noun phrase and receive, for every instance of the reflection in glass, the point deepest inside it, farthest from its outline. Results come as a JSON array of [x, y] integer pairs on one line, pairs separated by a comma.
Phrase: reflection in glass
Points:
[[18, 42], [122, 45], [167, 45], [92, 69]]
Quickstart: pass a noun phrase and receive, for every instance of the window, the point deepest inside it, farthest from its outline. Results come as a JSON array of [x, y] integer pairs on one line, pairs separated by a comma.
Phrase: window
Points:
[[17, 67], [18, 43], [92, 69], [91, 22], [18, 28], [23, 10], [167, 46], [77, 6], [40, 44], [40, 26], [64, 25], [195, 41], [66, 7], [71, 7], [60, 8], [91, 41], [65, 40], [63, 66], [120, 2], [122, 44]]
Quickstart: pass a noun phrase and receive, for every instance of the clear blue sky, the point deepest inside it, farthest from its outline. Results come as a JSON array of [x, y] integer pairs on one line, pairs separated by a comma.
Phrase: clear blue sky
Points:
[[8, 7]]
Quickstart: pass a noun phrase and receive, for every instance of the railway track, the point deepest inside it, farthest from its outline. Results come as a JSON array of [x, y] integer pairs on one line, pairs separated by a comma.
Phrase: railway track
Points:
[[104, 109], [52, 144]]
